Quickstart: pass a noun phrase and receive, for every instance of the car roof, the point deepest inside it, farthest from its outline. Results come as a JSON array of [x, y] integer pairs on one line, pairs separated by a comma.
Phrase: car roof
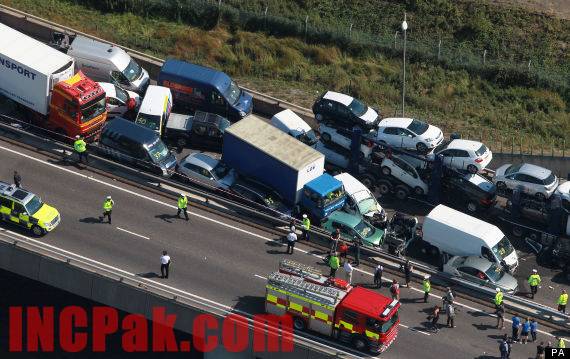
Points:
[[351, 184], [479, 263], [153, 101], [16, 193], [130, 130], [461, 144], [338, 97], [534, 171], [109, 89], [291, 120], [201, 160], [479, 181], [100, 50], [210, 118], [367, 302], [396, 122], [350, 220], [182, 71]]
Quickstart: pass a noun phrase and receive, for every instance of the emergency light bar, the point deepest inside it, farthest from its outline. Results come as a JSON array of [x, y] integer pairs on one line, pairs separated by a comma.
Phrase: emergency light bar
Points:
[[389, 308]]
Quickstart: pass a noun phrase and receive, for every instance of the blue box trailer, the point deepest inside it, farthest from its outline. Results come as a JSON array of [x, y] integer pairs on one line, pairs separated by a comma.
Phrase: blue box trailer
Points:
[[256, 149]]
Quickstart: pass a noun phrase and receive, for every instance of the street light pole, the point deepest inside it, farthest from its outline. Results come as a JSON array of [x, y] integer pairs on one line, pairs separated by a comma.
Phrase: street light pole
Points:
[[404, 28]]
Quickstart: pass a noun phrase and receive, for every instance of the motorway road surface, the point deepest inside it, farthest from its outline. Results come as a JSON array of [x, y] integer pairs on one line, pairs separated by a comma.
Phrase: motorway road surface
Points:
[[213, 256]]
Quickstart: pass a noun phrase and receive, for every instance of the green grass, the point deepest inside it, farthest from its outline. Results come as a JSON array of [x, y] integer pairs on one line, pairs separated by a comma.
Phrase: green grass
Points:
[[453, 98]]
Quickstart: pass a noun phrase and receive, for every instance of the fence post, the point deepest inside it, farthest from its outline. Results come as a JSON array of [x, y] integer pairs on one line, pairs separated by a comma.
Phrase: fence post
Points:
[[395, 37], [529, 61], [512, 145], [439, 49], [484, 56], [552, 147], [265, 18], [564, 148], [530, 144], [306, 26], [350, 31], [541, 147], [219, 12]]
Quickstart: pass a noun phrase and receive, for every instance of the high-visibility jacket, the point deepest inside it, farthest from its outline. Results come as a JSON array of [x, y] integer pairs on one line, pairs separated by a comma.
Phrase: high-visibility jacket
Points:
[[108, 205], [563, 299], [182, 202], [307, 223], [427, 286], [561, 343], [80, 146], [334, 262], [499, 298], [534, 280]]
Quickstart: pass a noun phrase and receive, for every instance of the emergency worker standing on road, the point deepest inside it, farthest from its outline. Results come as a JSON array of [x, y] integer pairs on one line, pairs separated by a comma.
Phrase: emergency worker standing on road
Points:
[[498, 297], [334, 263], [80, 148], [305, 227], [427, 287], [164, 264], [534, 281], [107, 209], [182, 205], [562, 301]]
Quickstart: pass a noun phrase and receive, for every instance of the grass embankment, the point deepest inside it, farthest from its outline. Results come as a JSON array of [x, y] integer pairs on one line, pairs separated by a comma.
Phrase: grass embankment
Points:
[[289, 68]]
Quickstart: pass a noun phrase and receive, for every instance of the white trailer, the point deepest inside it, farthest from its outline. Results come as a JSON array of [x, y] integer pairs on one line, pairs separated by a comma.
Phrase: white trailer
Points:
[[29, 69]]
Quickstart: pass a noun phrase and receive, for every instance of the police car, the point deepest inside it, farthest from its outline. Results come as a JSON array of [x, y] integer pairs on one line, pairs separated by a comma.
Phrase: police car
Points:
[[27, 210]]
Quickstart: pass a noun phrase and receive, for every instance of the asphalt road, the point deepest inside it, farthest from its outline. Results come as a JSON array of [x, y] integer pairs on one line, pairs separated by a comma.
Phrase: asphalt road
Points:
[[212, 256]]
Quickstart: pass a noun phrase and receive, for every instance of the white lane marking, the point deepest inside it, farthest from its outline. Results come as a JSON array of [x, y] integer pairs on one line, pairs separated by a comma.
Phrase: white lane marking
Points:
[[221, 223], [133, 233], [414, 330], [260, 276], [227, 309]]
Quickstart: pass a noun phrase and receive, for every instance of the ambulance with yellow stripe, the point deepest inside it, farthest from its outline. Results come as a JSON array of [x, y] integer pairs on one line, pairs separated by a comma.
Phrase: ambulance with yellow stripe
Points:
[[353, 315], [25, 209]]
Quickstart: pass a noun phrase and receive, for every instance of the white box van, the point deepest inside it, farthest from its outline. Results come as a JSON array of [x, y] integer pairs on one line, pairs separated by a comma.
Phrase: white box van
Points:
[[361, 202], [107, 63], [155, 108], [459, 234], [289, 122]]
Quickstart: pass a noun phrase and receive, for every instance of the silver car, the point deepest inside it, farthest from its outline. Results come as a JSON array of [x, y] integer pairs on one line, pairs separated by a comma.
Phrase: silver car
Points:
[[199, 168], [534, 180], [480, 271]]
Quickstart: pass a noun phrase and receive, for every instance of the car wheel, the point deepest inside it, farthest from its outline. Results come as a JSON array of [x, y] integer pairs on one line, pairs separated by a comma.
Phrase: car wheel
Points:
[[384, 188], [418, 191], [472, 169], [360, 344], [471, 207], [37, 231], [517, 232], [181, 142], [326, 137], [386, 171], [299, 324], [402, 193], [422, 148], [540, 196], [319, 117]]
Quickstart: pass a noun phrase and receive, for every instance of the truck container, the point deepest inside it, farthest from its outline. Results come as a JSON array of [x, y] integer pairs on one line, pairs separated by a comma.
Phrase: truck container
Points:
[[457, 234], [41, 80], [354, 315], [256, 149]]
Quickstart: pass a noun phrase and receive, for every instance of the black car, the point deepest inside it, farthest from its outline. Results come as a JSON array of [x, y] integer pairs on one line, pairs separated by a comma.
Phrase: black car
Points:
[[258, 195], [339, 110], [202, 131], [471, 192]]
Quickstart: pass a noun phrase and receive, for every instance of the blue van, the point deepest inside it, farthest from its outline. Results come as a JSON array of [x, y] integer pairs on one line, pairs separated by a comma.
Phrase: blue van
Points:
[[196, 87]]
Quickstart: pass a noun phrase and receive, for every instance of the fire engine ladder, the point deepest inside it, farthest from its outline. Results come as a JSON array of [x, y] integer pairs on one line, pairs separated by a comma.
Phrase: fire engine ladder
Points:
[[307, 272], [298, 286]]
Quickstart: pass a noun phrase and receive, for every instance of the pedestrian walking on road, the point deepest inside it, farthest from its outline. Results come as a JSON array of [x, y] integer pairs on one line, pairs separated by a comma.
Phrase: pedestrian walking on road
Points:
[[504, 347], [395, 290], [427, 287], [540, 351], [182, 206], [334, 263], [107, 209], [498, 297], [164, 264], [305, 227], [348, 270], [335, 237], [80, 148], [450, 310], [17, 179], [500, 312], [435, 318], [525, 330], [291, 239], [448, 297], [378, 275], [533, 329], [562, 301], [516, 327], [407, 266], [534, 281]]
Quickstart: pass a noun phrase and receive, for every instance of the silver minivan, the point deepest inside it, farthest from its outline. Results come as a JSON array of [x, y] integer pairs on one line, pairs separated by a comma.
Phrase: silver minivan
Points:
[[107, 63]]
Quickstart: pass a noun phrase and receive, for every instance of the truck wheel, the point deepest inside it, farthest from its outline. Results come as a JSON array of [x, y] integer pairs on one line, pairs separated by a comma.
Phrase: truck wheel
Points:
[[299, 324], [402, 193], [326, 137], [360, 343], [37, 231], [517, 232], [384, 187], [418, 191]]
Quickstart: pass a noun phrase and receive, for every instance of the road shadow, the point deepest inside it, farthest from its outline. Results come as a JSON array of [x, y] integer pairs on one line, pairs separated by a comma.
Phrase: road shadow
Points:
[[250, 304], [91, 220], [561, 278], [274, 251], [67, 162], [483, 326], [496, 336], [148, 275], [486, 357], [411, 300], [274, 244], [478, 314], [166, 217]]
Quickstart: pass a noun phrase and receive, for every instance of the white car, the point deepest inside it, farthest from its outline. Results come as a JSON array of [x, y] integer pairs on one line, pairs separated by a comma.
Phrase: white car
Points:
[[119, 101], [409, 133], [289, 122], [360, 201], [480, 271], [563, 191], [405, 172], [343, 138], [335, 156], [207, 171], [534, 180], [467, 155]]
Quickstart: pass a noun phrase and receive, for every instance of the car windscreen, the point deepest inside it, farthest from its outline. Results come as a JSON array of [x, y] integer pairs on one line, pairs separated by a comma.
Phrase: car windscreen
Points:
[[93, 109], [221, 170], [331, 197], [503, 248], [232, 93], [158, 151], [364, 229], [367, 205], [132, 71], [121, 94], [390, 323], [481, 151], [549, 180], [495, 273], [33, 205], [357, 108], [513, 169], [418, 127], [149, 121]]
